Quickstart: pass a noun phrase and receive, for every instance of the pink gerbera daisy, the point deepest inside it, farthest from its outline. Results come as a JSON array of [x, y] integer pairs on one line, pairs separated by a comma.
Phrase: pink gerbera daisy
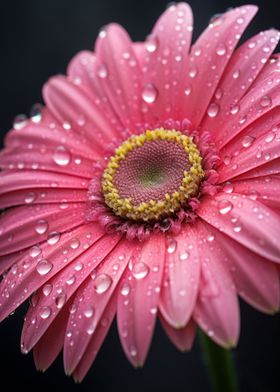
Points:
[[147, 185]]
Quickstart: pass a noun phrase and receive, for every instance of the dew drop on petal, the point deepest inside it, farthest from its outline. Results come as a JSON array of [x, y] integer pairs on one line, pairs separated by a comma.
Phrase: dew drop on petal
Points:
[[71, 280], [266, 102], [60, 300], [44, 267], [36, 113], [140, 270], [45, 312], [88, 313], [41, 226], [34, 251], [75, 243], [53, 238], [193, 72], [102, 283], [125, 289], [187, 90], [234, 109], [151, 44], [149, 93], [213, 109], [102, 71], [184, 256], [224, 206], [221, 50], [270, 137], [47, 289], [171, 245], [30, 197], [20, 121], [61, 156], [247, 141], [236, 74], [228, 188]]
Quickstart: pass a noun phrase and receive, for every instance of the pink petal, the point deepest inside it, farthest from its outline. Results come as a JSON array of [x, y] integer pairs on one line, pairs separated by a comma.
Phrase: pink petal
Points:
[[49, 133], [58, 160], [181, 278], [120, 74], [51, 343], [41, 263], [69, 103], [257, 102], [268, 169], [247, 221], [83, 70], [139, 297], [264, 189], [181, 338], [166, 60], [61, 287], [27, 225], [90, 303], [254, 153], [255, 278], [209, 57], [6, 262], [243, 68], [96, 341], [42, 196], [217, 310]]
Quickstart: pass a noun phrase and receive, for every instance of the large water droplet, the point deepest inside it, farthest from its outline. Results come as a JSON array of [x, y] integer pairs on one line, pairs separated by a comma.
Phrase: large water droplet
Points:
[[34, 251], [234, 109], [140, 270], [41, 226], [213, 109], [61, 156], [224, 206], [266, 102], [247, 141], [30, 197], [221, 50], [102, 282], [75, 243], [149, 93], [45, 312], [47, 289], [36, 113], [60, 300], [88, 313], [270, 137], [53, 238], [44, 267]]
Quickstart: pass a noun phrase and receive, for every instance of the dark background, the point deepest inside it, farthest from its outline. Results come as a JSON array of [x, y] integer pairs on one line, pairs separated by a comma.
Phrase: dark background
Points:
[[37, 40]]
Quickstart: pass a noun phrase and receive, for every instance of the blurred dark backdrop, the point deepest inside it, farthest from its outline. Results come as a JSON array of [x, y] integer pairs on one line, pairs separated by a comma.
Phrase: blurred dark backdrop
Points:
[[37, 40]]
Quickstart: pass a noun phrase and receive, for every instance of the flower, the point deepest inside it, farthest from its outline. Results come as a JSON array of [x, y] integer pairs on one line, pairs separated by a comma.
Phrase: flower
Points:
[[147, 184]]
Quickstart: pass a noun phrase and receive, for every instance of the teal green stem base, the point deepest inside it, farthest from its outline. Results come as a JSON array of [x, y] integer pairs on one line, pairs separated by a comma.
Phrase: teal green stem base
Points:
[[220, 365]]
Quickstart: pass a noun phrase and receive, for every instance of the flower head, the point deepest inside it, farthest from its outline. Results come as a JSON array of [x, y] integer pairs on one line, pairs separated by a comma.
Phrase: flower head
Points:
[[147, 185]]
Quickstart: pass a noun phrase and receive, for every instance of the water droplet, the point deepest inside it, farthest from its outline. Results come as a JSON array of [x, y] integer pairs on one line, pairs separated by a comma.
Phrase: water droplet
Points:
[[125, 290], [30, 197], [247, 141], [61, 156], [102, 71], [35, 251], [41, 226], [73, 309], [140, 270], [20, 121], [270, 137], [221, 50], [237, 228], [210, 238], [240, 20], [234, 109], [215, 21], [45, 312], [193, 72], [36, 113], [224, 206], [47, 289], [88, 313], [66, 125], [44, 267], [151, 44], [60, 300], [153, 310], [102, 282], [266, 102], [75, 243], [184, 256], [133, 351], [218, 93], [213, 109], [53, 238], [171, 245], [236, 74], [79, 266], [149, 93], [228, 188]]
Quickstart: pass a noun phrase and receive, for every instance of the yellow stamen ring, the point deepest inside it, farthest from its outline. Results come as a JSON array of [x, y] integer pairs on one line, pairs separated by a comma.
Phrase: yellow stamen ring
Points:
[[153, 209]]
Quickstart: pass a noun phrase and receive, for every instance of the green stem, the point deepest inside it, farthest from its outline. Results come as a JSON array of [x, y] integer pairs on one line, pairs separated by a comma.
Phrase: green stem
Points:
[[220, 366]]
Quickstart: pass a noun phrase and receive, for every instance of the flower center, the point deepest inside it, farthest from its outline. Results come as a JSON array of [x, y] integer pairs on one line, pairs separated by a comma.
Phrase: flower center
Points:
[[152, 175]]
